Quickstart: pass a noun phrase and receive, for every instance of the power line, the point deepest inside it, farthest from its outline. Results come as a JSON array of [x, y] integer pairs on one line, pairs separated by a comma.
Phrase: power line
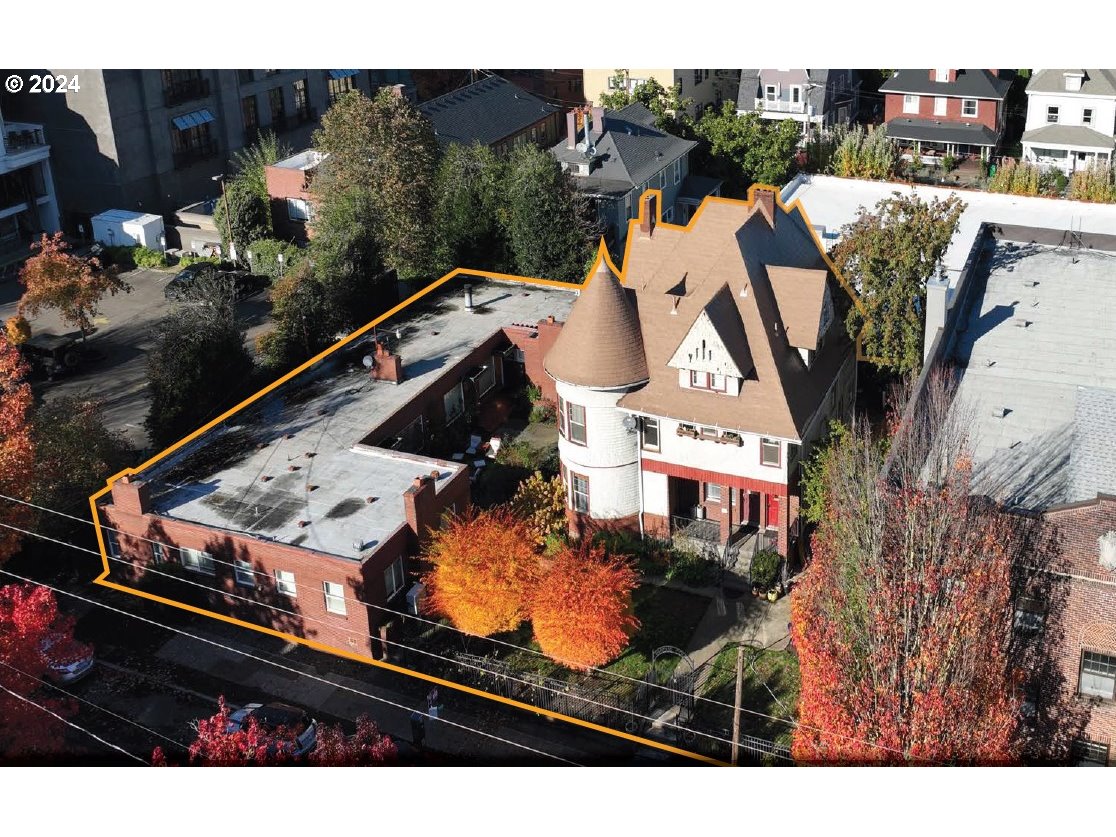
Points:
[[94, 705], [279, 665], [92, 735], [752, 712]]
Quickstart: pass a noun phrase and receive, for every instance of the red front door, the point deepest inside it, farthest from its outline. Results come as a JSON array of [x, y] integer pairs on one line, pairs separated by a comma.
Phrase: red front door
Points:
[[772, 511]]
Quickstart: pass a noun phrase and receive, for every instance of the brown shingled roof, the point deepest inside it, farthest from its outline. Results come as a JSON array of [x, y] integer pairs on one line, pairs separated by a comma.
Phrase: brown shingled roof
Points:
[[799, 293], [600, 345]]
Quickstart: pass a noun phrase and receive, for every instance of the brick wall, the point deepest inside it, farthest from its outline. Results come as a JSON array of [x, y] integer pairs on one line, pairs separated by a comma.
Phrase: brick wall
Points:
[[987, 110], [283, 183]]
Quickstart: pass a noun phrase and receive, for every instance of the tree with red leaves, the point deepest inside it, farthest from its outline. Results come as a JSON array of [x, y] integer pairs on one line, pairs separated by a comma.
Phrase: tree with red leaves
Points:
[[34, 636], [249, 744], [17, 450], [582, 608], [903, 620], [485, 570], [54, 278]]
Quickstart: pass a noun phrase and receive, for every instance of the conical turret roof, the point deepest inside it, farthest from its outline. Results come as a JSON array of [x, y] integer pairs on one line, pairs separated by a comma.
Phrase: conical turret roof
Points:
[[600, 345]]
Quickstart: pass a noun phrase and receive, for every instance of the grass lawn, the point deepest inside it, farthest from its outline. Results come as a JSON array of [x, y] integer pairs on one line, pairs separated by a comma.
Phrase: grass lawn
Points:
[[771, 685]]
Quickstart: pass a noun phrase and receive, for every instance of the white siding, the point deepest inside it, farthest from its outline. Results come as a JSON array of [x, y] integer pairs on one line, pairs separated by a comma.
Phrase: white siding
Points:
[[656, 499], [1070, 109], [743, 461]]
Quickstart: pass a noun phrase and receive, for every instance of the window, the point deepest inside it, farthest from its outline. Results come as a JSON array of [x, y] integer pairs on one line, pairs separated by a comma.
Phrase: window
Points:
[[245, 576], [244, 76], [796, 94], [769, 452], [910, 103], [197, 561], [334, 597], [575, 415], [561, 415], [668, 216], [158, 554], [968, 107], [393, 577], [940, 106], [1098, 675], [1086, 753], [250, 114], [285, 583], [579, 489], [771, 92], [298, 209], [339, 87], [192, 143], [650, 428], [709, 432], [1052, 113], [662, 178], [697, 77], [1087, 116], [1029, 616], [275, 102], [705, 73], [712, 492], [113, 543], [941, 75], [699, 380], [454, 402], [677, 171]]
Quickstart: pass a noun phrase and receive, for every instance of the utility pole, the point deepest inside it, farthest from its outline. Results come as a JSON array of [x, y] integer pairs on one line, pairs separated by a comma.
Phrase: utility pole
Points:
[[736, 710], [220, 178]]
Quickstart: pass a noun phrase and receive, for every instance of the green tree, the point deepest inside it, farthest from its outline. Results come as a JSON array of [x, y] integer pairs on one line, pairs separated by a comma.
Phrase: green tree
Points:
[[746, 149], [248, 217], [199, 366], [388, 147], [265, 254], [251, 161], [888, 255], [670, 109], [303, 320], [547, 231], [468, 209]]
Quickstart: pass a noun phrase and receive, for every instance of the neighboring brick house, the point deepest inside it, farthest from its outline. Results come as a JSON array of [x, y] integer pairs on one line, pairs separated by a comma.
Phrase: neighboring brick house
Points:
[[492, 112], [314, 501], [616, 156], [811, 97], [690, 394], [959, 113], [1071, 118], [289, 184]]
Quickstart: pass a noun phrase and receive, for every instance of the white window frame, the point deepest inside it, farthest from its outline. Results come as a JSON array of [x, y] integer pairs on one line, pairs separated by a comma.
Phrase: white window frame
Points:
[[299, 210], [197, 560], [282, 582], [765, 445], [575, 494], [796, 94], [1053, 112], [1086, 116], [677, 171], [712, 492], [645, 424], [662, 178], [771, 92], [158, 554], [571, 424], [941, 104], [450, 399], [969, 108], [394, 578], [910, 103], [1103, 669], [112, 543], [334, 602], [244, 574]]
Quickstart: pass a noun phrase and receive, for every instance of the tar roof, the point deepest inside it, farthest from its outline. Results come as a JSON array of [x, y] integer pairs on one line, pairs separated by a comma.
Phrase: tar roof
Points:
[[1038, 331], [975, 84], [486, 111], [326, 411], [1094, 82], [676, 273], [631, 151]]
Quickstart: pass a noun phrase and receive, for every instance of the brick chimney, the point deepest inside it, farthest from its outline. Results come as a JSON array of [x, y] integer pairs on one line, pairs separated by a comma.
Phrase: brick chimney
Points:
[[647, 214], [571, 129], [598, 123], [388, 367], [419, 506], [131, 496], [765, 201]]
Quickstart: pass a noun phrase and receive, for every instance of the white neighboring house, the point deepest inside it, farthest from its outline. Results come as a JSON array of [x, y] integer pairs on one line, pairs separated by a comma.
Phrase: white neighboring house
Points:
[[1071, 118], [816, 97]]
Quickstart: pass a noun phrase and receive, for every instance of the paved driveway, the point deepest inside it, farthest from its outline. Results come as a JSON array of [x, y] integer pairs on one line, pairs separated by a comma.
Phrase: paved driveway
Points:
[[125, 331]]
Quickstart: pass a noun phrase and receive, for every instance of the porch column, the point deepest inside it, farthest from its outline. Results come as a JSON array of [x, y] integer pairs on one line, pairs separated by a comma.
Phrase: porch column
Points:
[[726, 512], [762, 510]]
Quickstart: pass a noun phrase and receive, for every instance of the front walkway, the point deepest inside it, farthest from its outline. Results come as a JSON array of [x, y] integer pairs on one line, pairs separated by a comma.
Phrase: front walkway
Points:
[[744, 619]]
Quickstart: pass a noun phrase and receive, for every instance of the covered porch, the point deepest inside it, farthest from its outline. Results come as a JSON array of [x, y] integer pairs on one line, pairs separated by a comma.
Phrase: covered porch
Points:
[[1067, 147]]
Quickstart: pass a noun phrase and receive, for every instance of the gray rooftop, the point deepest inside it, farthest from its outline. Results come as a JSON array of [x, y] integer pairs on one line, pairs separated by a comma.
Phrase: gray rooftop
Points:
[[630, 152], [486, 111], [1095, 82], [302, 161], [326, 411], [752, 81], [974, 84], [1057, 134], [1037, 332], [933, 130]]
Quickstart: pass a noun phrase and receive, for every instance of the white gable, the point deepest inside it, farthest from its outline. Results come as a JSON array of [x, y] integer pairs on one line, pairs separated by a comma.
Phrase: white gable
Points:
[[703, 350]]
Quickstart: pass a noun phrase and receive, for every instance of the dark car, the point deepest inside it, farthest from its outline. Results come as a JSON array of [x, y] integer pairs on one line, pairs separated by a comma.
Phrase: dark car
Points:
[[187, 277], [50, 355], [247, 283], [275, 716]]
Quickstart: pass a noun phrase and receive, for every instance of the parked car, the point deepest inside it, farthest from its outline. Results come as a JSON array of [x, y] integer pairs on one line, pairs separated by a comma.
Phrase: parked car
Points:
[[186, 278], [50, 355], [273, 716], [63, 671]]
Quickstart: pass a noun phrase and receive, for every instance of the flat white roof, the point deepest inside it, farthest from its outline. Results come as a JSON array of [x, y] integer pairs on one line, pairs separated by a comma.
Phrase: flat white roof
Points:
[[831, 202], [303, 160], [127, 216]]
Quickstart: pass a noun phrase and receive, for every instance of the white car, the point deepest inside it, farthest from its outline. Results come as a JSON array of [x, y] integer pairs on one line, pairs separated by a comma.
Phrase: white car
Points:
[[60, 671], [272, 716]]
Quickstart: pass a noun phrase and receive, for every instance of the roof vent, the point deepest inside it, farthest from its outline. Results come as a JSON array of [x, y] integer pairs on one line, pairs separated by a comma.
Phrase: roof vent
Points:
[[1020, 322], [1000, 412]]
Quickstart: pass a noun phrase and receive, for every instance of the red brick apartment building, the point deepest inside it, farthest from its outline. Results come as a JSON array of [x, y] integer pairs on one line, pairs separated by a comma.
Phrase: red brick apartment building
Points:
[[289, 190], [306, 506]]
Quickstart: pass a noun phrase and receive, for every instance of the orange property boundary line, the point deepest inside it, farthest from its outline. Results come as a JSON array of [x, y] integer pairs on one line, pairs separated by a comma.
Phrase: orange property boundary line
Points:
[[633, 224]]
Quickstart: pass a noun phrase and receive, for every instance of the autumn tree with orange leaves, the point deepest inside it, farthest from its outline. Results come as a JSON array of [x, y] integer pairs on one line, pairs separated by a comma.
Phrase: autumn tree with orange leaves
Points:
[[582, 608], [485, 571], [17, 450], [902, 621], [55, 278]]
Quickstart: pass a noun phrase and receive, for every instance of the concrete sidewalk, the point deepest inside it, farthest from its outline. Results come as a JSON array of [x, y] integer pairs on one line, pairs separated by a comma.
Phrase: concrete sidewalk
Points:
[[746, 620]]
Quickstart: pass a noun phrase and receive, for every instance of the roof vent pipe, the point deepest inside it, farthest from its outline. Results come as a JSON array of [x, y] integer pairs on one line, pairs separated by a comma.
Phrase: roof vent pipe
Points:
[[469, 298]]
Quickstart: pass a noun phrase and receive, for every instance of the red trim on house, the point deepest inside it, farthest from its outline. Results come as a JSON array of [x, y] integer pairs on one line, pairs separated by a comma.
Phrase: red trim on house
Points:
[[656, 466]]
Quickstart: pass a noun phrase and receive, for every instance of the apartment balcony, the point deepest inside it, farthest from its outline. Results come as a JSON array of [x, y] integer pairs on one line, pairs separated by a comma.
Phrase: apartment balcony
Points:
[[23, 144], [780, 106], [186, 90], [189, 156]]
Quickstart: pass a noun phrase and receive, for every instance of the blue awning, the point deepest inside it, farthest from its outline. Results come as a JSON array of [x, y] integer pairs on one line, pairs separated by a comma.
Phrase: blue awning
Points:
[[192, 120], [336, 74]]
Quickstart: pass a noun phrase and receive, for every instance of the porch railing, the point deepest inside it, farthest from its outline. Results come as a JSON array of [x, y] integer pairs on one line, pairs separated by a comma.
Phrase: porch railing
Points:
[[697, 528], [780, 106]]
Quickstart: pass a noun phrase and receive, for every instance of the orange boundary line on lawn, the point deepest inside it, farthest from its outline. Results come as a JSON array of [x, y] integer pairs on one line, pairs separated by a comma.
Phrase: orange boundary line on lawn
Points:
[[340, 652]]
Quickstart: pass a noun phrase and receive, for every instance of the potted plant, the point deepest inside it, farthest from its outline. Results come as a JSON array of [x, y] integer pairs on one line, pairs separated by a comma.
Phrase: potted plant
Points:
[[773, 594], [765, 569]]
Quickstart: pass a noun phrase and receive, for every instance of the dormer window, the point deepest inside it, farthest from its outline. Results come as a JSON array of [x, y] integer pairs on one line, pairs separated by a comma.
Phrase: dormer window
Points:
[[707, 380], [941, 75]]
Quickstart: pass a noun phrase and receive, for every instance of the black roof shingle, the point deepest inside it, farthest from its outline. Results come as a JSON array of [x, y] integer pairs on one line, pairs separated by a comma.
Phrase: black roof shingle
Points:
[[485, 111]]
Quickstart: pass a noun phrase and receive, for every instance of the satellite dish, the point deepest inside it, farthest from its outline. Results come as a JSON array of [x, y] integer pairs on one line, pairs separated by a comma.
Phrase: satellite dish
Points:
[[368, 361], [581, 146], [629, 423]]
